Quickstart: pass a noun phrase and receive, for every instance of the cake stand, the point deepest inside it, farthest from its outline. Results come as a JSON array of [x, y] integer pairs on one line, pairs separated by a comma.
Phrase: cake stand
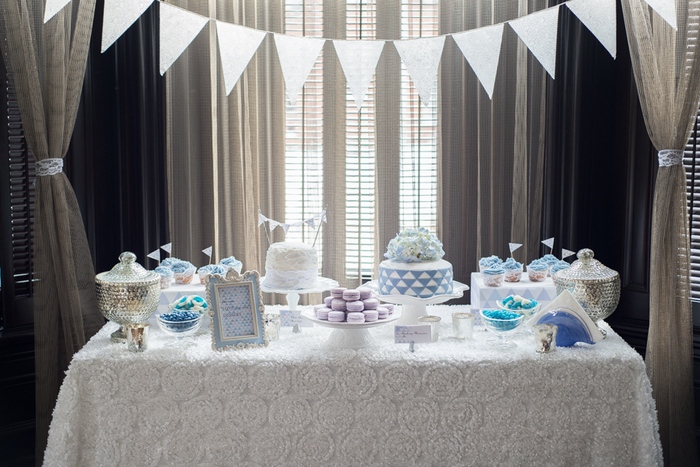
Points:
[[349, 335], [322, 284], [414, 307]]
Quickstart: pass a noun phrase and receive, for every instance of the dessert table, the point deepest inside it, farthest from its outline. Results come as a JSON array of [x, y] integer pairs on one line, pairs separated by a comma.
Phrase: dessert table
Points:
[[299, 402]]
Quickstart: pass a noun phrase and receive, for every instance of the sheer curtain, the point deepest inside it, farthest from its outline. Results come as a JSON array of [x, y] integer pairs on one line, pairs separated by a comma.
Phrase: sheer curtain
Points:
[[491, 151], [49, 64], [666, 68]]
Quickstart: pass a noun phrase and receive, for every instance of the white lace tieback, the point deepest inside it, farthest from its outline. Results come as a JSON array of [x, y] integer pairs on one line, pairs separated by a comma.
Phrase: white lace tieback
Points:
[[49, 167], [669, 157]]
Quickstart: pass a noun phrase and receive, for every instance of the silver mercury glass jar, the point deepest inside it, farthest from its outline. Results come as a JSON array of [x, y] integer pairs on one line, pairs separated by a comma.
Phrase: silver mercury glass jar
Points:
[[127, 294], [594, 286]]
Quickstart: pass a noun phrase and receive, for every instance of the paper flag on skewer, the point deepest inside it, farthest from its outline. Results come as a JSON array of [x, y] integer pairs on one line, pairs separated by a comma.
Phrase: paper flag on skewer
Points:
[[566, 253], [155, 255], [168, 247], [549, 242], [514, 246], [207, 251]]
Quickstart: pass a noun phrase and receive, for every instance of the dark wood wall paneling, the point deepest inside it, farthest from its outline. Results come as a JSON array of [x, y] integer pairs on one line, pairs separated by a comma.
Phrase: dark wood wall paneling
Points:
[[116, 163]]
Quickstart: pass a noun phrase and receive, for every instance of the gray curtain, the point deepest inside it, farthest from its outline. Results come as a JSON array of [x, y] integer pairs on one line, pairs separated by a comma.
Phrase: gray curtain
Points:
[[49, 65], [666, 68], [491, 151]]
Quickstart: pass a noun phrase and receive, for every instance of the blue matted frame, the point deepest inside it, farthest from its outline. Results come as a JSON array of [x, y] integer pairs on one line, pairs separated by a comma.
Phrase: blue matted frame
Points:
[[235, 310]]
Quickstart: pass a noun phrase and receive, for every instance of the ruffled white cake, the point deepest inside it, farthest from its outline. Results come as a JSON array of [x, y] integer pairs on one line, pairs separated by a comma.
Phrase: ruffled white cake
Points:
[[291, 266], [415, 266]]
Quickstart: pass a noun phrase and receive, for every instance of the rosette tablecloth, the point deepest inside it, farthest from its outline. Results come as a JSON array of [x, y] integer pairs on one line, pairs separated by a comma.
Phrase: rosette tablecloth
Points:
[[296, 403]]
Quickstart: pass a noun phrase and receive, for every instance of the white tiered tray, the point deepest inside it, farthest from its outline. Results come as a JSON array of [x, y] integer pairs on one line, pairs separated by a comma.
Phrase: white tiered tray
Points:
[[349, 335], [414, 307]]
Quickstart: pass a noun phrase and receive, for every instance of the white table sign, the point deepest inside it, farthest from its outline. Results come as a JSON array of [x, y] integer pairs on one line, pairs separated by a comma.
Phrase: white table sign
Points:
[[287, 319], [416, 333]]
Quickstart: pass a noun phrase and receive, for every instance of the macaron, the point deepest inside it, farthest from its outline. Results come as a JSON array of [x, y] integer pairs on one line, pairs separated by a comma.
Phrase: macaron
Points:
[[338, 304], [336, 316], [365, 293], [371, 315], [351, 295], [322, 313], [371, 303], [328, 300], [338, 292], [355, 317], [356, 305], [382, 313]]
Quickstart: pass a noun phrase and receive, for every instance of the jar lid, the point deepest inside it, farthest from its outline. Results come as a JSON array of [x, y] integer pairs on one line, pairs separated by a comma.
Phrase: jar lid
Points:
[[586, 268], [127, 270]]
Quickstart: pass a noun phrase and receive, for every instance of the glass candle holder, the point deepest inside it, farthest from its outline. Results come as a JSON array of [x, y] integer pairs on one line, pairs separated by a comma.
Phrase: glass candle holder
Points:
[[434, 322], [137, 337], [545, 337], [463, 325]]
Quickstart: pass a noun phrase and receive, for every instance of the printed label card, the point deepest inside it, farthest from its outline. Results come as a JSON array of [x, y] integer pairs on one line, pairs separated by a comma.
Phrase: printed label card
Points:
[[416, 333]]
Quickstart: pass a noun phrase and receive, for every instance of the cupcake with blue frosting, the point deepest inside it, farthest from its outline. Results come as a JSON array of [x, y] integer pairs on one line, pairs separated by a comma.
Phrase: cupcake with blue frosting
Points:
[[514, 270], [558, 266], [183, 271], [233, 263], [204, 271], [537, 270], [493, 276], [166, 276], [549, 260], [489, 262]]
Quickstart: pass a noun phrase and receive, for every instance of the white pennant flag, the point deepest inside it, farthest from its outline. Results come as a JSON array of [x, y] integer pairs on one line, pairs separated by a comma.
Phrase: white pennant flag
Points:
[[422, 57], [168, 247], [285, 227], [482, 49], [514, 246], [273, 224], [155, 255], [178, 28], [261, 219], [566, 253], [323, 217], [118, 16], [311, 223], [237, 45], [600, 17], [297, 56], [52, 7], [538, 31], [358, 60], [666, 9], [549, 242], [207, 251]]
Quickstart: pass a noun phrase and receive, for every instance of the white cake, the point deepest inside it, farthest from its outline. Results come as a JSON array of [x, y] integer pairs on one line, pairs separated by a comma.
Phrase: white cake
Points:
[[422, 280], [291, 266], [415, 266]]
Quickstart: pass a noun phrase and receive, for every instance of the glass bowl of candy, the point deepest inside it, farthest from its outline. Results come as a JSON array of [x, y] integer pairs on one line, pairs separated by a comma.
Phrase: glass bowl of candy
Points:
[[502, 323], [522, 305], [179, 323]]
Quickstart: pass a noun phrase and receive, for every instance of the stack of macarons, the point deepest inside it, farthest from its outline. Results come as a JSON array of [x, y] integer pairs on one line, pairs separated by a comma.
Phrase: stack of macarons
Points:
[[352, 306]]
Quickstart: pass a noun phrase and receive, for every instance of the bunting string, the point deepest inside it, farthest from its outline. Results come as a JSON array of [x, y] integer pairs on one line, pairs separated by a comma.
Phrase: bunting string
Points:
[[481, 47]]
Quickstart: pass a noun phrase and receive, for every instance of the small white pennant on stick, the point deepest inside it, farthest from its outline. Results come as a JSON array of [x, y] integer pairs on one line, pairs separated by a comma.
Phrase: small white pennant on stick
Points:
[[550, 243], [513, 247], [566, 253], [207, 251], [155, 255], [168, 247]]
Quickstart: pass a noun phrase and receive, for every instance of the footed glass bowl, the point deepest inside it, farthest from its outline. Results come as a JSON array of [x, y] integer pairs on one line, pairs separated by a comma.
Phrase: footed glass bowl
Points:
[[182, 328], [502, 323]]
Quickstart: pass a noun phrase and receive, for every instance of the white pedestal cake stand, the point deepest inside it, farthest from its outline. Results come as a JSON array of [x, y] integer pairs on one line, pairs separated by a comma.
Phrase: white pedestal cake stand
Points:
[[414, 307], [349, 335], [322, 284]]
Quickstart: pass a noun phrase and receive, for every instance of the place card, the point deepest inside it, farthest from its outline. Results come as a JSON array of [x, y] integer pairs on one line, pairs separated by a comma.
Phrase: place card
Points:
[[287, 319], [416, 333]]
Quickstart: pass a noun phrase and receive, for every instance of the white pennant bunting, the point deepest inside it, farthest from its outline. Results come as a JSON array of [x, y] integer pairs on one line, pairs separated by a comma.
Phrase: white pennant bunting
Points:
[[666, 9], [549, 242], [261, 219], [311, 223], [566, 253], [52, 7], [285, 227], [273, 224], [237, 45], [358, 60], [297, 56], [168, 247], [514, 246], [538, 31], [155, 255], [118, 16], [600, 17], [422, 57], [482, 49], [178, 28]]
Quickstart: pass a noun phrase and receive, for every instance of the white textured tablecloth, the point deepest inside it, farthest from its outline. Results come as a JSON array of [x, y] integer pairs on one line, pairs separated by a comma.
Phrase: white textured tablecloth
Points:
[[296, 403]]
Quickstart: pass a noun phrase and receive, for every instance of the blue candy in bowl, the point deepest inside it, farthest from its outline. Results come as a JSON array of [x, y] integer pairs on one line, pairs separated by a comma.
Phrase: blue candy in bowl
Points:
[[179, 323], [502, 323]]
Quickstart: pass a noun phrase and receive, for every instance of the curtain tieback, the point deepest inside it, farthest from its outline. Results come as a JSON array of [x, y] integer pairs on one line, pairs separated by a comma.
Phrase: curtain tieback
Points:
[[669, 157], [49, 167]]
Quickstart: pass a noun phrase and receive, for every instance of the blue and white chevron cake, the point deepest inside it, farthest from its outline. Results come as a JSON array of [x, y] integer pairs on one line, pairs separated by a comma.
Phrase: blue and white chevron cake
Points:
[[415, 266]]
